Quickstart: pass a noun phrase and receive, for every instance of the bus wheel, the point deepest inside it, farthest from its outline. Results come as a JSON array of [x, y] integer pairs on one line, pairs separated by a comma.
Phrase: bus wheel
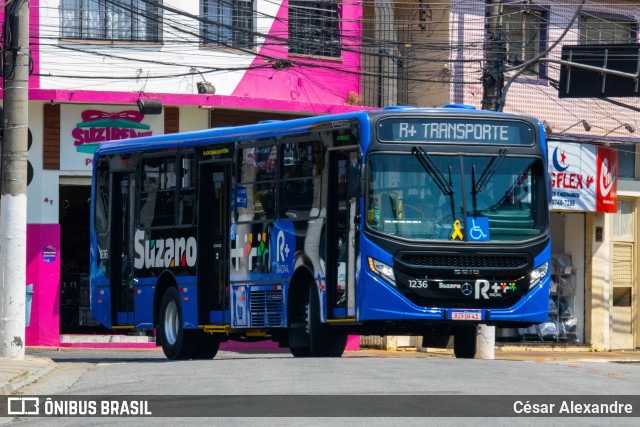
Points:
[[464, 342], [176, 342], [298, 330], [300, 351], [205, 346], [325, 342]]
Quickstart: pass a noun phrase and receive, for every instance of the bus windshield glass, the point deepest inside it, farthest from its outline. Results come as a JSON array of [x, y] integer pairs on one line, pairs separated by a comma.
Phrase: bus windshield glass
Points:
[[479, 198]]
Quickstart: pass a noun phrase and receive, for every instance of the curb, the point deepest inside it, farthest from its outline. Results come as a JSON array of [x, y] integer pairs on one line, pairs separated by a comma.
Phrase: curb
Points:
[[11, 387]]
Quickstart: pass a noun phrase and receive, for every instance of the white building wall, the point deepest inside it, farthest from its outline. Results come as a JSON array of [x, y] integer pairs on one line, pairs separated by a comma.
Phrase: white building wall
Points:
[[179, 51]]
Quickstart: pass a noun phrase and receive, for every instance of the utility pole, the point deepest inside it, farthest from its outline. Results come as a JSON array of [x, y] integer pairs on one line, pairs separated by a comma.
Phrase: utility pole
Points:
[[495, 52], [13, 204], [492, 83]]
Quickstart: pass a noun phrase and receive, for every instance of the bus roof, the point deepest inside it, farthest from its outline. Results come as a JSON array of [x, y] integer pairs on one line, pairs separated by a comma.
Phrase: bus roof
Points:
[[269, 128]]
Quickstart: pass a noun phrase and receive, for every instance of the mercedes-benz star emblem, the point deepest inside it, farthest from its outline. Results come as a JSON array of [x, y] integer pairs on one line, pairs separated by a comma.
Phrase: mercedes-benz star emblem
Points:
[[466, 289]]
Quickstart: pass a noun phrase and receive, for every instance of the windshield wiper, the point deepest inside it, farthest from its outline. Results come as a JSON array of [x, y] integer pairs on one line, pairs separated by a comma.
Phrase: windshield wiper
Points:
[[488, 172], [433, 171], [445, 187]]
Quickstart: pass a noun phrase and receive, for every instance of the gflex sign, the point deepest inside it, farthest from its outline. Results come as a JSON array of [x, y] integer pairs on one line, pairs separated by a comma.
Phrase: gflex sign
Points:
[[583, 177]]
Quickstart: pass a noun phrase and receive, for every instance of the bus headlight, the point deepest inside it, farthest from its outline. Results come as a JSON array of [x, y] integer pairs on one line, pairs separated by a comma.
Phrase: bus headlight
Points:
[[383, 270], [538, 273]]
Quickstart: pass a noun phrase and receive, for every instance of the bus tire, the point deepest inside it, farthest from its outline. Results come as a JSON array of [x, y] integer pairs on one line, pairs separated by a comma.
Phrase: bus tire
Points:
[[300, 351], [205, 346], [464, 342], [325, 342], [177, 343]]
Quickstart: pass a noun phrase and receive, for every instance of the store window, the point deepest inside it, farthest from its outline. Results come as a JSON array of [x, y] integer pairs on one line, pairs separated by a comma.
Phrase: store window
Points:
[[525, 31], [626, 160], [122, 20], [228, 23], [314, 28], [565, 323], [596, 29], [623, 220]]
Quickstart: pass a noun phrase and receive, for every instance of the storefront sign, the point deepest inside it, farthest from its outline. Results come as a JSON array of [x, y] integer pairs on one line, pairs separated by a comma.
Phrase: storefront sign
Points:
[[83, 127], [583, 177]]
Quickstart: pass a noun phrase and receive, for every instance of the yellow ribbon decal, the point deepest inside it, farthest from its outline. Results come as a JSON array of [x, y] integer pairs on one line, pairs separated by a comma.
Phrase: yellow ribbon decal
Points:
[[456, 230]]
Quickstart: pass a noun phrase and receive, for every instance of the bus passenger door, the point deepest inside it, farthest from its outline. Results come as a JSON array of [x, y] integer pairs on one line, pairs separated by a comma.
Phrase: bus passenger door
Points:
[[122, 250], [213, 241], [342, 236]]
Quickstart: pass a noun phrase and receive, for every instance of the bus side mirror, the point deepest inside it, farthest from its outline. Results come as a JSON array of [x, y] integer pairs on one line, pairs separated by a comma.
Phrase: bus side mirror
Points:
[[353, 181]]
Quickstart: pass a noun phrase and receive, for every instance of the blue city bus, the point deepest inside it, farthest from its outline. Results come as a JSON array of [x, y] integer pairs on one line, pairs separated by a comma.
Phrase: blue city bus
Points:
[[401, 221]]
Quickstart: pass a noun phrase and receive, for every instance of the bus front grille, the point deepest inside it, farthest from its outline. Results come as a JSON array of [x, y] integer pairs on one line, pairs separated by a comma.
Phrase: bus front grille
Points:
[[266, 307], [465, 261]]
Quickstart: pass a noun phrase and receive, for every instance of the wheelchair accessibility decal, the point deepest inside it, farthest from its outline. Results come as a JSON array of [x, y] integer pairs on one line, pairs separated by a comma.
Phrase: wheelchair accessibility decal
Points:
[[478, 229]]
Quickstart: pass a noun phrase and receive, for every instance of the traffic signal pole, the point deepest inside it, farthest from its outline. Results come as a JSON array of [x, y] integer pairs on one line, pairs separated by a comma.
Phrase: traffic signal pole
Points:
[[13, 201]]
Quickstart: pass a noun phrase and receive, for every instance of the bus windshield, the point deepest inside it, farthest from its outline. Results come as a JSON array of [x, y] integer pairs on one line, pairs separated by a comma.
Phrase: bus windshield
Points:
[[481, 198]]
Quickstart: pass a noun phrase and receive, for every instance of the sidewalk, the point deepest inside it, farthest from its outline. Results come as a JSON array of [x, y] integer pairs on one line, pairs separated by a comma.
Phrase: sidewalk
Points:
[[15, 374]]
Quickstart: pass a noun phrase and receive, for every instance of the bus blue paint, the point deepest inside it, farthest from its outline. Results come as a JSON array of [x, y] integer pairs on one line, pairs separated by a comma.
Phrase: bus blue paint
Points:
[[418, 221]]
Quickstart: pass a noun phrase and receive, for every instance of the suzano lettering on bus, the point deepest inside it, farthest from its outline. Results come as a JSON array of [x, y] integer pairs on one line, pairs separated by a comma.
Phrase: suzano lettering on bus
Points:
[[214, 152], [164, 253]]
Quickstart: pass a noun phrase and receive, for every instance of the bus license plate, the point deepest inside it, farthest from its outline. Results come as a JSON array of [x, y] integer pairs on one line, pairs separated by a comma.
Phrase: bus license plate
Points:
[[466, 314]]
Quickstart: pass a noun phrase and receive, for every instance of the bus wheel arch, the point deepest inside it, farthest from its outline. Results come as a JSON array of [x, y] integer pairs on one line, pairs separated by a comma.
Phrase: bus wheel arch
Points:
[[308, 336], [164, 282]]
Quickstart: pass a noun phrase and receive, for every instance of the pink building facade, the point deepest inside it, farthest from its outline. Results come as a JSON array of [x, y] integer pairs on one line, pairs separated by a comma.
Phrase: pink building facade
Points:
[[207, 69]]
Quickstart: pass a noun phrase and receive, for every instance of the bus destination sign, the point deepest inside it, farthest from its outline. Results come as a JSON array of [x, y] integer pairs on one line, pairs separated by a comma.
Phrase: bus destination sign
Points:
[[472, 131]]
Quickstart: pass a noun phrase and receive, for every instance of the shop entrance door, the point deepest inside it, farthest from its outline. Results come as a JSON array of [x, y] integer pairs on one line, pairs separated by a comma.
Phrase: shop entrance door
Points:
[[621, 297]]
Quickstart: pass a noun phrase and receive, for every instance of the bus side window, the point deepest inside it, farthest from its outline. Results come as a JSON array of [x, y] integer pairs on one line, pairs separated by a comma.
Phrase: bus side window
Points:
[[257, 184], [158, 192], [148, 199], [186, 201], [300, 165]]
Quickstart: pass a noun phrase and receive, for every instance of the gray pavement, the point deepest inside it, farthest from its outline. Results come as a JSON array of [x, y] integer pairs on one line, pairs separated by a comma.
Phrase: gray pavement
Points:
[[15, 374]]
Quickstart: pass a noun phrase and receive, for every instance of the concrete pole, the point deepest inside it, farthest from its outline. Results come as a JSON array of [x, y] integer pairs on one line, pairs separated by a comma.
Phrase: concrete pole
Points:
[[13, 204], [493, 83], [495, 51], [486, 342]]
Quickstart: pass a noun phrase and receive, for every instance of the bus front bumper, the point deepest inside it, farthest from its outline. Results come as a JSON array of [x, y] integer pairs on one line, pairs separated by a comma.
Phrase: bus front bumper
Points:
[[382, 302]]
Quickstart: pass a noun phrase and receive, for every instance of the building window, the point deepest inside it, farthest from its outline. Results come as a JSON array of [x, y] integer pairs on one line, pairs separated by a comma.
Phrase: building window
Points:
[[122, 20], [626, 160], [601, 30], [623, 220], [314, 28], [229, 23], [525, 35]]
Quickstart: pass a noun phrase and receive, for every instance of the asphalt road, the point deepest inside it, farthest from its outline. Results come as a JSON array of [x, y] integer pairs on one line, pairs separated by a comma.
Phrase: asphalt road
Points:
[[392, 381]]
